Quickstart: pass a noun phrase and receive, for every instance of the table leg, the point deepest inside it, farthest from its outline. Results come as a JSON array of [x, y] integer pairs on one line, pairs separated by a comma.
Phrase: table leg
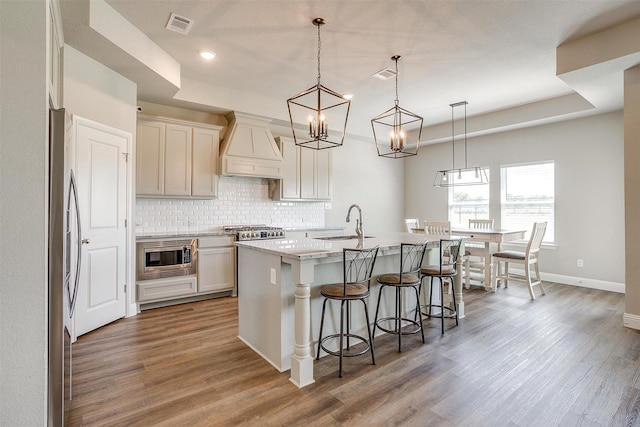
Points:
[[487, 266], [302, 361]]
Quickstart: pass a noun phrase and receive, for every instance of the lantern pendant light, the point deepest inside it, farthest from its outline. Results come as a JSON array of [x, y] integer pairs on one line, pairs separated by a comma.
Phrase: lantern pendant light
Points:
[[462, 176], [319, 107], [396, 122]]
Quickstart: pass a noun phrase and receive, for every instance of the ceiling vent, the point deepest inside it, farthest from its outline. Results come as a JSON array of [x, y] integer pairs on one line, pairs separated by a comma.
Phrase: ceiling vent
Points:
[[179, 24], [385, 74]]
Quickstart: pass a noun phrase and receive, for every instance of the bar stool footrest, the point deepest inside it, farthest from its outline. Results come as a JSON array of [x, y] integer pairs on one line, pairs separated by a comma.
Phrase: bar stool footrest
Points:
[[409, 322], [347, 352], [452, 313]]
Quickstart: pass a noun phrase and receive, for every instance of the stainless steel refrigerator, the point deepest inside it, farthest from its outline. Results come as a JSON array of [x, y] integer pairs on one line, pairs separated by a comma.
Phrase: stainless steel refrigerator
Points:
[[64, 265]]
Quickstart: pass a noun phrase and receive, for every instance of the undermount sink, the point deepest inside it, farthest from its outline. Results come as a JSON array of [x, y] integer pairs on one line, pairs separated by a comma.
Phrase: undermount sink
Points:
[[349, 237]]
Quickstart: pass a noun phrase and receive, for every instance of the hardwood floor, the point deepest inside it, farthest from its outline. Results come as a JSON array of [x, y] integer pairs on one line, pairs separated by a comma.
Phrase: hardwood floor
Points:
[[562, 360]]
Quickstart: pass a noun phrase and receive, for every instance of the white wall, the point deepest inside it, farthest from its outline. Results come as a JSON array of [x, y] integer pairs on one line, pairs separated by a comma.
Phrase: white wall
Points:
[[241, 200], [589, 188], [23, 212], [98, 93]]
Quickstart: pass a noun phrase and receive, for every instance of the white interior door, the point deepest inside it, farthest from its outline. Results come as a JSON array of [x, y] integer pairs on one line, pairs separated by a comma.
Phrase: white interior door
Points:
[[101, 165]]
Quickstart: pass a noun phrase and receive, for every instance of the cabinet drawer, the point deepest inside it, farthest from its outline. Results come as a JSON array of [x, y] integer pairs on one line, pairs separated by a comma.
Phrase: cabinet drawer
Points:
[[216, 241], [161, 289]]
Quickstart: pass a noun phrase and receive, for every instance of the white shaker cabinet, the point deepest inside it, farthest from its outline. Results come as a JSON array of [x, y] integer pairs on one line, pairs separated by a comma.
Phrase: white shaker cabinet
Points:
[[176, 159], [306, 173], [216, 264]]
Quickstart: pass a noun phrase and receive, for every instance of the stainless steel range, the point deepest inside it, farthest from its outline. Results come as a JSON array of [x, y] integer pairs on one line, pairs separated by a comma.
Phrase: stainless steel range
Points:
[[255, 232]]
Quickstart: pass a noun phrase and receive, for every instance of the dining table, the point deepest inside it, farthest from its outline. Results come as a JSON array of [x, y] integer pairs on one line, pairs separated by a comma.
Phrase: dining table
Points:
[[484, 243]]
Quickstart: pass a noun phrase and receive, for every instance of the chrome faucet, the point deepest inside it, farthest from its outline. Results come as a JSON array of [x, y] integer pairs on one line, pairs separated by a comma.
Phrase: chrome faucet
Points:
[[359, 231]]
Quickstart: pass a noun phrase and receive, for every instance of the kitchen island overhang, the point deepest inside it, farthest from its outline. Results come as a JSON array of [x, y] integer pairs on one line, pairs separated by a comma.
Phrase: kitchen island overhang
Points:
[[278, 293]]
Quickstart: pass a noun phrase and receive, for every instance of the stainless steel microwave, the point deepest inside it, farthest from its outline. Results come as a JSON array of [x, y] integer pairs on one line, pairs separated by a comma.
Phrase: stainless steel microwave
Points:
[[167, 258]]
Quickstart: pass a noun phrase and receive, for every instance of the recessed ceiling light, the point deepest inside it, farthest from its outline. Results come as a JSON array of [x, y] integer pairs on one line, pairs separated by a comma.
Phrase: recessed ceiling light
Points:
[[347, 96], [207, 54]]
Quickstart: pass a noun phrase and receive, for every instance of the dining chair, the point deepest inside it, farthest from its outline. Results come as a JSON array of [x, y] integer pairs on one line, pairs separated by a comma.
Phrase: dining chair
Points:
[[437, 227], [356, 284], [408, 276], [444, 270], [473, 258], [527, 258], [411, 223]]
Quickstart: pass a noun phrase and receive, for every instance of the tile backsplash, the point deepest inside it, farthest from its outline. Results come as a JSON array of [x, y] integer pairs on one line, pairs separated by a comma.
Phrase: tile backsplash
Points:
[[240, 201]]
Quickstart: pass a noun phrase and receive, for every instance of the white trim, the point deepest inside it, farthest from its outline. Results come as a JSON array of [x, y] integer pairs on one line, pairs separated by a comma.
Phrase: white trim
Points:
[[584, 282], [631, 321]]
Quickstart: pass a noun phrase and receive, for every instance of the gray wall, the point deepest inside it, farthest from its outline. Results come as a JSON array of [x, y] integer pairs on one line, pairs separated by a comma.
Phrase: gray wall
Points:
[[23, 212], [374, 183], [589, 188]]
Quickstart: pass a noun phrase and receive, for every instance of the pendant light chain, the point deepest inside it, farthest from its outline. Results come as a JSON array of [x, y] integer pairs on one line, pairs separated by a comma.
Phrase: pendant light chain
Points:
[[319, 23], [396, 59]]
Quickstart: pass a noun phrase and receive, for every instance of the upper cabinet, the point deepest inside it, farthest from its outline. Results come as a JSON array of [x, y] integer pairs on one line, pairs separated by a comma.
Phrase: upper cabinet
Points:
[[306, 173], [176, 159]]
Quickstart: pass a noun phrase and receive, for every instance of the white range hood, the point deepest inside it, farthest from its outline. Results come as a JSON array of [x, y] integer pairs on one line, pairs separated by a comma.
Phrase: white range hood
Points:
[[249, 149]]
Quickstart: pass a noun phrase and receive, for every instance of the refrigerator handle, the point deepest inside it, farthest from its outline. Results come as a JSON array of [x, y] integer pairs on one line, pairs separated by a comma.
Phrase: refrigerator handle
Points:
[[74, 294]]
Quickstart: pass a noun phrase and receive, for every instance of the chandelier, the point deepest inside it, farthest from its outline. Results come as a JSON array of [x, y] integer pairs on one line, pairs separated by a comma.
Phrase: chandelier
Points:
[[462, 176], [395, 123], [319, 107]]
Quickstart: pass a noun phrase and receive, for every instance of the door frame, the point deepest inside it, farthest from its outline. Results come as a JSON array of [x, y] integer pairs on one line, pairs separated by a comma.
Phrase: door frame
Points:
[[131, 308]]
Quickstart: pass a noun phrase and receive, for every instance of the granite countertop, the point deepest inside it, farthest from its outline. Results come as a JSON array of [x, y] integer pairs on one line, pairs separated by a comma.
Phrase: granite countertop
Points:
[[309, 248], [314, 228]]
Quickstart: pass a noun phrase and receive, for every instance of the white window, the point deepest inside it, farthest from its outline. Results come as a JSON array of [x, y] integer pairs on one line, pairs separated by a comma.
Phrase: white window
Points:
[[468, 202], [527, 196]]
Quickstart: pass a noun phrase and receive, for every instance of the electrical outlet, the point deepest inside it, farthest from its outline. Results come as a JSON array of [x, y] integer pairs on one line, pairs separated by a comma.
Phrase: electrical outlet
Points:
[[273, 276], [580, 263]]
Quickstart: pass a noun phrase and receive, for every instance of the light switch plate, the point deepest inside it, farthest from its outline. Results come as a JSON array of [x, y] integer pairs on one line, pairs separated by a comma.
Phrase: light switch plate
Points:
[[273, 276]]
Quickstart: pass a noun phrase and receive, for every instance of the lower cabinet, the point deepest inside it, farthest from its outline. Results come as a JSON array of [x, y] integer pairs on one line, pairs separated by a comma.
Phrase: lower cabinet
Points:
[[215, 273], [216, 264], [164, 289]]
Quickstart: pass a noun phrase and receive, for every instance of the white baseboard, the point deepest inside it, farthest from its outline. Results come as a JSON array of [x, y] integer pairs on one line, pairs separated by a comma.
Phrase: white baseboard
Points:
[[584, 282], [631, 321]]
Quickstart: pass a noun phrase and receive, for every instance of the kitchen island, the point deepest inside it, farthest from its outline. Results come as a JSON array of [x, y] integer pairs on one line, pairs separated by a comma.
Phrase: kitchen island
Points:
[[279, 304]]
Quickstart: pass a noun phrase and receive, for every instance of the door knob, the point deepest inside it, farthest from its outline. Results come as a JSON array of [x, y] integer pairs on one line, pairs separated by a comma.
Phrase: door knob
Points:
[[86, 241]]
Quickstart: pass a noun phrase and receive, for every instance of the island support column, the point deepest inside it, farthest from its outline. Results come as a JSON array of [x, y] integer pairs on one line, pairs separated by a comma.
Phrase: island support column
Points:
[[302, 361]]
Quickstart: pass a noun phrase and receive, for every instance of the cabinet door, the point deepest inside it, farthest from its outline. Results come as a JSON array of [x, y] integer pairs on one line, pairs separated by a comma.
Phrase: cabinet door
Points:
[[308, 179], [150, 158], [204, 165], [290, 184], [216, 269], [177, 169], [323, 175]]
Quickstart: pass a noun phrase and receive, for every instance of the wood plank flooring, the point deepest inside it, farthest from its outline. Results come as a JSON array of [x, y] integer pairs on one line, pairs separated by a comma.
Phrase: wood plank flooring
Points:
[[562, 360]]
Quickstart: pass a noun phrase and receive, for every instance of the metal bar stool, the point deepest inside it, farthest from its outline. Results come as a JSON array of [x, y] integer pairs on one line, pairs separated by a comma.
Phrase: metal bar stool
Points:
[[357, 269], [446, 269], [408, 277]]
